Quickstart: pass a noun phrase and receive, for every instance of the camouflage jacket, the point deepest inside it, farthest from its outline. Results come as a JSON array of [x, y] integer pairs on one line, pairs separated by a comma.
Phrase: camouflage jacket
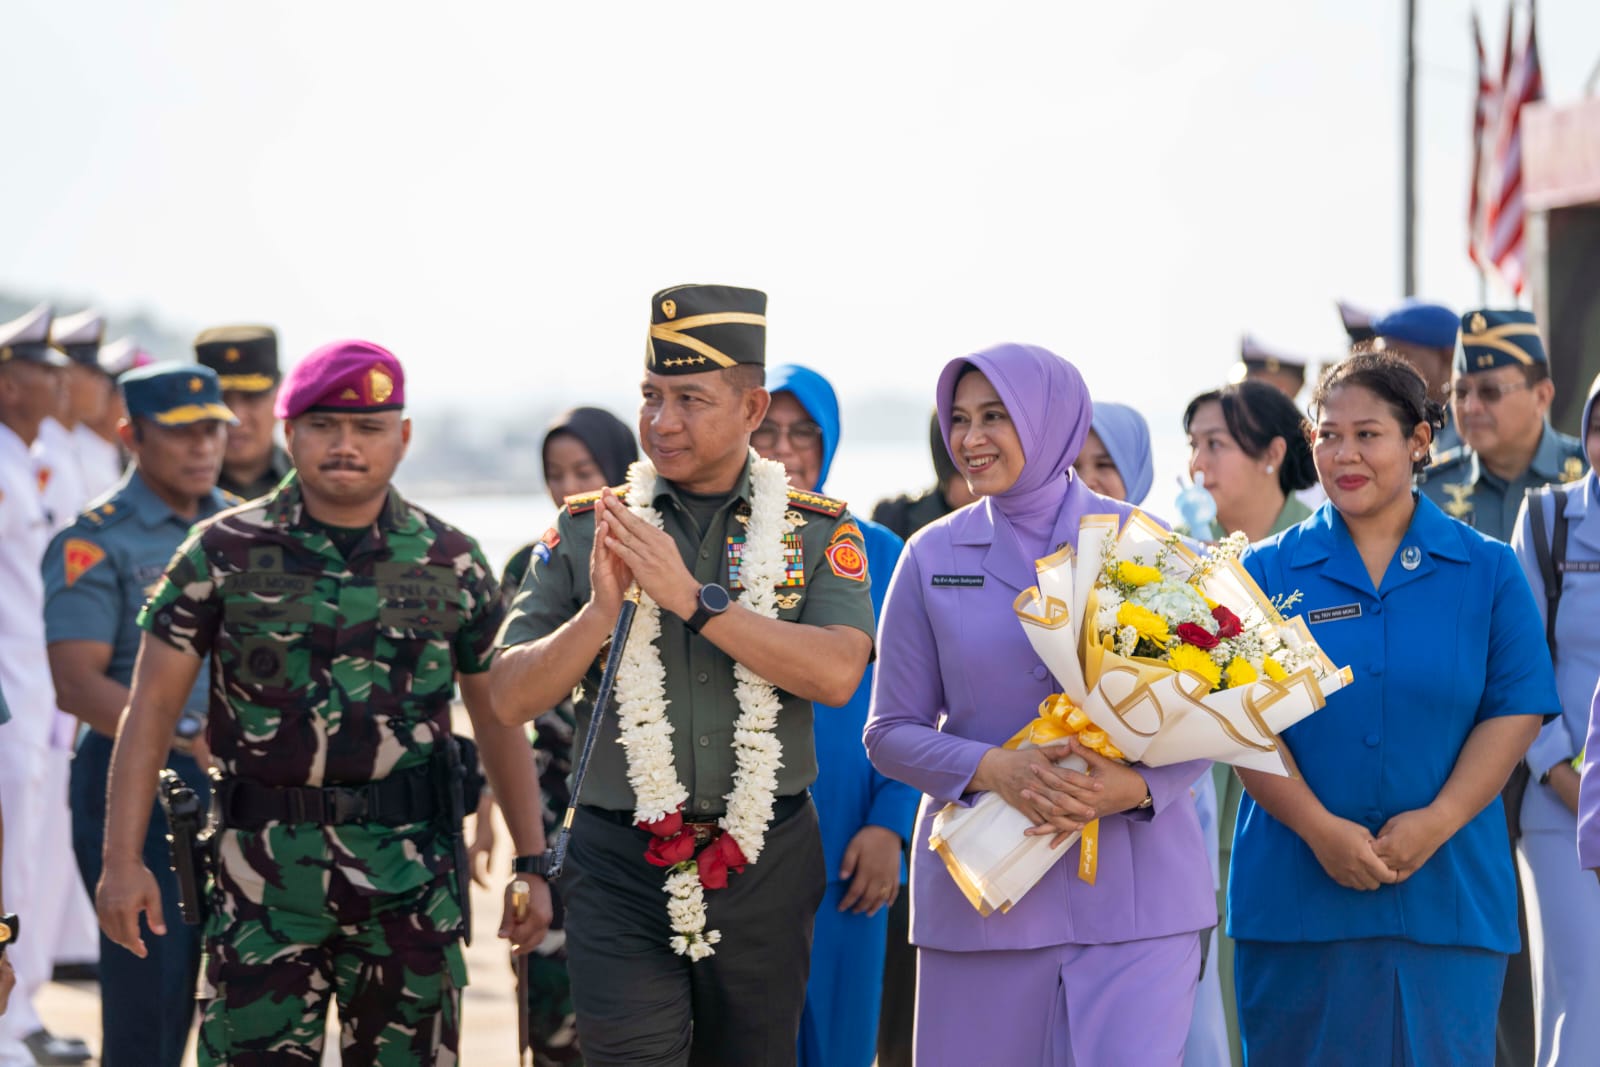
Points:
[[325, 670]]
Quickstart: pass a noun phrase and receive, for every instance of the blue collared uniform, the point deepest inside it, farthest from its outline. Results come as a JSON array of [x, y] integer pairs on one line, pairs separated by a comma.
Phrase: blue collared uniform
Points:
[[1449, 640], [97, 573], [1563, 898], [839, 1024]]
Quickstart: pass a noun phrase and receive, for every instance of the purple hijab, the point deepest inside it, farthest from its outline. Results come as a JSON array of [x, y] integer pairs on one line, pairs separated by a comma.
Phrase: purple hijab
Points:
[[1049, 405]]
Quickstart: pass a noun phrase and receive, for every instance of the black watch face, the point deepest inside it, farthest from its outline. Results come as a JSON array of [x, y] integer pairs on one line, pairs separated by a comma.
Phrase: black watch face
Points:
[[714, 598]]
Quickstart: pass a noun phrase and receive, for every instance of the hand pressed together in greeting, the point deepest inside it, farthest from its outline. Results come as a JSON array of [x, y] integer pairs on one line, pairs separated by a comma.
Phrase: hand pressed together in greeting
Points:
[[628, 549], [872, 864]]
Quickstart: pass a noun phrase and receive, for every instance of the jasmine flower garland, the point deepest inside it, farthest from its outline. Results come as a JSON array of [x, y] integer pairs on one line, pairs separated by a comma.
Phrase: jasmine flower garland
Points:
[[646, 733]]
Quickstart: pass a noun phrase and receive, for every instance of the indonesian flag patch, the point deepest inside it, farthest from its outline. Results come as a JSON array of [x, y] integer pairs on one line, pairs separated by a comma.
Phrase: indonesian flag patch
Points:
[[846, 560], [78, 556]]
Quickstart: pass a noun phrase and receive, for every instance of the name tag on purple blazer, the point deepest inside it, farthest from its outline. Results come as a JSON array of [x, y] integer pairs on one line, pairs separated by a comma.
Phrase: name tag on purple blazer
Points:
[[970, 581]]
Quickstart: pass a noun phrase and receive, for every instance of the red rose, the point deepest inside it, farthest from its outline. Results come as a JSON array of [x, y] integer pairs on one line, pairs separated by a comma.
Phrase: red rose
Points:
[[1228, 624], [670, 851], [666, 826], [717, 859], [1197, 635]]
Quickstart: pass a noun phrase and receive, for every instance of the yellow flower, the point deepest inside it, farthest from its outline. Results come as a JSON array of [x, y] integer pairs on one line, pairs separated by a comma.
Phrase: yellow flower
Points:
[[1188, 658], [1274, 669], [1240, 672], [1137, 573], [1145, 621]]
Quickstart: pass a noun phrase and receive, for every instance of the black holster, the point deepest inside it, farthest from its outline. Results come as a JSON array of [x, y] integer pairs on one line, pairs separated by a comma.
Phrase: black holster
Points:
[[459, 782], [189, 843]]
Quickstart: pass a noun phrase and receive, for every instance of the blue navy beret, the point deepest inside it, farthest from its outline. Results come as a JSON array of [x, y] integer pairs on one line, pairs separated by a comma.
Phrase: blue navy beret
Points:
[[1418, 323]]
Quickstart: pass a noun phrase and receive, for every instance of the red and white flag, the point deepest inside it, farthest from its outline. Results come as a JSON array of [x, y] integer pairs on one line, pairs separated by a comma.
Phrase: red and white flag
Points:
[[1482, 115], [1523, 84]]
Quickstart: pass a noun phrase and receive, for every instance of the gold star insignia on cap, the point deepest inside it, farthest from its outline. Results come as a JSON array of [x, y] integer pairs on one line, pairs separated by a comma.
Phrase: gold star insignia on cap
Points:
[[1478, 322], [194, 385], [231, 355], [379, 385], [669, 308]]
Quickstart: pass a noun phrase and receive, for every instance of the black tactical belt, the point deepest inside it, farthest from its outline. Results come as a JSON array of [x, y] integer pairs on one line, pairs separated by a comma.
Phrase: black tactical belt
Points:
[[782, 808], [407, 797]]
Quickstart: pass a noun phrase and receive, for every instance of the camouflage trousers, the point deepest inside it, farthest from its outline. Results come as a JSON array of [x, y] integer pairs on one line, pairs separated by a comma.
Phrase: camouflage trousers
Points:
[[274, 962]]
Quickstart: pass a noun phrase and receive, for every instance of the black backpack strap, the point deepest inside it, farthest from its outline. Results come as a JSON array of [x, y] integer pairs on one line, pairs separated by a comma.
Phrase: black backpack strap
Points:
[[1550, 551]]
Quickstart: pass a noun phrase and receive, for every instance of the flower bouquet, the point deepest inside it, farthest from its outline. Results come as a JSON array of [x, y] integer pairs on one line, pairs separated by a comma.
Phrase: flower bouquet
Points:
[[1163, 656]]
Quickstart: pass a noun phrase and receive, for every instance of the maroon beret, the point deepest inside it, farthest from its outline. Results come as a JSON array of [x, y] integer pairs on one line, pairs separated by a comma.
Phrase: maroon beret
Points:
[[343, 376]]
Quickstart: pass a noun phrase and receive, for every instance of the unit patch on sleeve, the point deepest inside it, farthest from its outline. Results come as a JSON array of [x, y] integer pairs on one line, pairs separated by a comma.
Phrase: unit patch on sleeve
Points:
[[78, 555], [846, 560]]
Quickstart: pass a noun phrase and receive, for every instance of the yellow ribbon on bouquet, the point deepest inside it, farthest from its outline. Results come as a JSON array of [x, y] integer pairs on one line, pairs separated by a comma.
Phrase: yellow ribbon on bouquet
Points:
[[1059, 718]]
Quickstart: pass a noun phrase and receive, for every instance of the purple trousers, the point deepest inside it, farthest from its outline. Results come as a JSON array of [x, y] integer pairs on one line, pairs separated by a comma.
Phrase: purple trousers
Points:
[[1061, 1006]]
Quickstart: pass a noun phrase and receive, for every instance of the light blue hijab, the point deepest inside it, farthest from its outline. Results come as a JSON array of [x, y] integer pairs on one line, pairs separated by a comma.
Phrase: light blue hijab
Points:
[[1127, 439]]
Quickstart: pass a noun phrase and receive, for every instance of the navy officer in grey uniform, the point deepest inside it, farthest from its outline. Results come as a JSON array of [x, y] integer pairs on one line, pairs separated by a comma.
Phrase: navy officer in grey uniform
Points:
[[1501, 397], [97, 572]]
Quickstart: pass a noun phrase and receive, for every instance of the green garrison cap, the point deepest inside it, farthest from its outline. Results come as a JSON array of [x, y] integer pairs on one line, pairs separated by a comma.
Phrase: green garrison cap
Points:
[[696, 328], [1491, 339]]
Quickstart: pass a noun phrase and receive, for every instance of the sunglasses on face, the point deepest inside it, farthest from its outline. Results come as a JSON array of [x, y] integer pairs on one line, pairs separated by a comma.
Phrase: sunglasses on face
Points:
[[801, 434], [1488, 393]]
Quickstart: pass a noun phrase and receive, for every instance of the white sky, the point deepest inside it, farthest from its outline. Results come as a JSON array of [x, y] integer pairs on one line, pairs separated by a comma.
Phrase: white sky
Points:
[[494, 190]]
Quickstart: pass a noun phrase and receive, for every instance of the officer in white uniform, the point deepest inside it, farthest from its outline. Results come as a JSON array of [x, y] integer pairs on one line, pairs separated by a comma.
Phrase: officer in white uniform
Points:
[[30, 389]]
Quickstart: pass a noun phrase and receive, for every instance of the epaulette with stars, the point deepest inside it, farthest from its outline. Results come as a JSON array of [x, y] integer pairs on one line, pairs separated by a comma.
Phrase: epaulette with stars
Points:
[[822, 505], [583, 503], [1448, 459], [102, 515]]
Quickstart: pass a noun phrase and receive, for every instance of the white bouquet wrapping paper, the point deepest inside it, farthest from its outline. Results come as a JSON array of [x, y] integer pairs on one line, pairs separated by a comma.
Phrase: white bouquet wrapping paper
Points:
[[1228, 700]]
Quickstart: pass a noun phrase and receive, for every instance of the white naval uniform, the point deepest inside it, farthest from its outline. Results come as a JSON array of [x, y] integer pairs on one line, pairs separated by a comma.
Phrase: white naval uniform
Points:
[[39, 886]]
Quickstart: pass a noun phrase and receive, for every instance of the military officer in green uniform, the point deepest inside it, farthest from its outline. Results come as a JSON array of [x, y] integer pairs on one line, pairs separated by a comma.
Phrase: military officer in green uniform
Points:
[[1501, 398], [755, 602], [246, 360], [97, 573], [337, 619]]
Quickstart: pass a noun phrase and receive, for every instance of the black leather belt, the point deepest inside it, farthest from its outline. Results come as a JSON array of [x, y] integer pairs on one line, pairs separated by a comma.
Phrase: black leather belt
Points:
[[782, 808], [406, 797]]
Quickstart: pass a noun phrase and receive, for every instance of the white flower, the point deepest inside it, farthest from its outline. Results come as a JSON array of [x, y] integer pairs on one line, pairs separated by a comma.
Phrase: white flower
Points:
[[646, 732]]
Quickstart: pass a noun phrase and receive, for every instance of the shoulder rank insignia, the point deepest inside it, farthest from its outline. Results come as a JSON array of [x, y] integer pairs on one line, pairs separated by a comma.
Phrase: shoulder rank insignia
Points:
[[78, 555], [1572, 470], [846, 561], [822, 505], [1459, 506], [583, 503]]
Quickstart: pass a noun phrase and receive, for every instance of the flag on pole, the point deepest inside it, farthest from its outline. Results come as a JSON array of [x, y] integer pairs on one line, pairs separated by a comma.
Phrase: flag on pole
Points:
[[1523, 84], [1483, 112]]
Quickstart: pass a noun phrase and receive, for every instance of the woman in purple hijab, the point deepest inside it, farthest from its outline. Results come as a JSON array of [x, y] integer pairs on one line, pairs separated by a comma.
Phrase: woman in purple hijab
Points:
[[1074, 973]]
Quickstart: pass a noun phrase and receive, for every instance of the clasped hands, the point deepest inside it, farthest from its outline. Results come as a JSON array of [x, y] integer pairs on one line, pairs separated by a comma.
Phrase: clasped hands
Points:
[[626, 550], [1058, 801], [1356, 859]]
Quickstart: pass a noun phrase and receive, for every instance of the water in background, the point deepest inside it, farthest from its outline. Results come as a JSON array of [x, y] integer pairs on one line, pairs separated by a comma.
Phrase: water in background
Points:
[[863, 473]]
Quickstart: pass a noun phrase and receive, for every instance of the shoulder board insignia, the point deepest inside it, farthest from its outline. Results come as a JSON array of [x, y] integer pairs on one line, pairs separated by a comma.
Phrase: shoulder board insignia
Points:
[[822, 505], [1447, 458], [1573, 470], [77, 556], [582, 503], [233, 500]]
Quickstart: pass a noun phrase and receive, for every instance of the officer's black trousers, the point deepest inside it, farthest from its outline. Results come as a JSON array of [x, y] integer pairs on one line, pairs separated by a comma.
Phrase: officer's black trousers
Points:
[[639, 1003]]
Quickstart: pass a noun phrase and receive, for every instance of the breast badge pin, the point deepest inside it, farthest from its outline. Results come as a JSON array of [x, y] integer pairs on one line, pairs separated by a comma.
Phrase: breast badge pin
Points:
[[1411, 557]]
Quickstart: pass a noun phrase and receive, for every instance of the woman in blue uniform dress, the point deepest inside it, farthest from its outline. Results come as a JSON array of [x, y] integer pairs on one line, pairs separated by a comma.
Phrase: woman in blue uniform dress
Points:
[[1563, 900], [1373, 898]]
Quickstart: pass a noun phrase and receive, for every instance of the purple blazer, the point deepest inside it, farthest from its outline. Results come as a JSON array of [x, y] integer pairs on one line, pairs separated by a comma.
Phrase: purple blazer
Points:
[[956, 677]]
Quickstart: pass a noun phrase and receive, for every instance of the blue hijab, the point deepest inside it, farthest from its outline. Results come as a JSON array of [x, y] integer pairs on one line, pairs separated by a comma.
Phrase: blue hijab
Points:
[[1127, 439], [817, 397]]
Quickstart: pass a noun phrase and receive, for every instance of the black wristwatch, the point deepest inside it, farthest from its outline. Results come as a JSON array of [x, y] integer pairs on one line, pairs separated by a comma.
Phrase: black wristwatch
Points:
[[713, 600], [9, 929], [539, 865]]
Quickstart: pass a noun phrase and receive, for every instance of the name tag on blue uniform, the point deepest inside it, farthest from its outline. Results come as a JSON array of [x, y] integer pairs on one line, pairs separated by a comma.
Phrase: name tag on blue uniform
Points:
[[1579, 566], [1343, 611], [970, 580]]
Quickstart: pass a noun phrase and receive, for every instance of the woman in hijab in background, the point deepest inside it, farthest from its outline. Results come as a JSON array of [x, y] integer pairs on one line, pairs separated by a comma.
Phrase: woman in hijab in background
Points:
[[1117, 461], [584, 450], [1073, 973]]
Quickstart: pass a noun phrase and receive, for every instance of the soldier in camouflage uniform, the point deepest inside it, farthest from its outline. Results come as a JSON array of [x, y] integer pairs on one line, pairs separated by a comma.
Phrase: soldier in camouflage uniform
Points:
[[336, 617]]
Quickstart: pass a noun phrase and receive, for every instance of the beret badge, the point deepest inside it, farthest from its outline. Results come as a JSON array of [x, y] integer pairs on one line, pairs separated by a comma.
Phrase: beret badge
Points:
[[379, 385]]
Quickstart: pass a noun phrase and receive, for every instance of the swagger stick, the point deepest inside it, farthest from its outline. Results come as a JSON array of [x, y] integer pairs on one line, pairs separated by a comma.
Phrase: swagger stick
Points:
[[520, 899], [608, 679]]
